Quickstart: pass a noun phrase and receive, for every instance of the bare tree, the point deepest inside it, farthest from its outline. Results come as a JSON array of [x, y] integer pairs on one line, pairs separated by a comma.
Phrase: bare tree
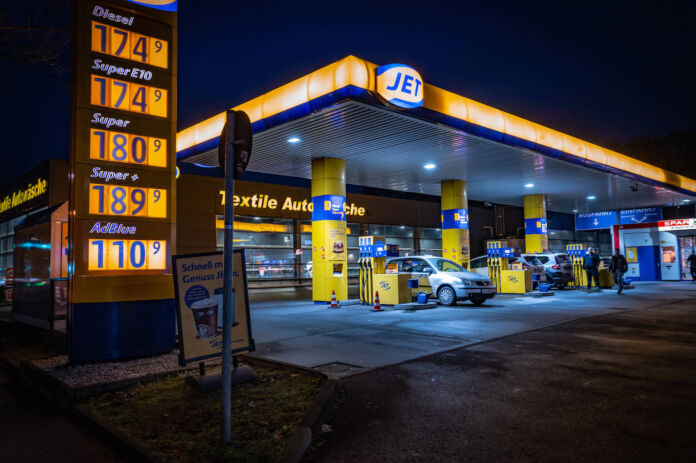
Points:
[[36, 34]]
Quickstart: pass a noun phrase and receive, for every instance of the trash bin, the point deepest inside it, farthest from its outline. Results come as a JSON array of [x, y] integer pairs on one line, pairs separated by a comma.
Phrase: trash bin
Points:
[[422, 297], [413, 285]]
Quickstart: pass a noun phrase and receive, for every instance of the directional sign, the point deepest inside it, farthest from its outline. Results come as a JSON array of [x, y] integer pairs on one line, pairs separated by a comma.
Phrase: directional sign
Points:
[[595, 220], [648, 214]]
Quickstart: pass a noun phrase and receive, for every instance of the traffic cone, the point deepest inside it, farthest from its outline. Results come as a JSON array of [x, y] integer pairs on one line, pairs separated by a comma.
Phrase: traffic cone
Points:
[[334, 302], [377, 307]]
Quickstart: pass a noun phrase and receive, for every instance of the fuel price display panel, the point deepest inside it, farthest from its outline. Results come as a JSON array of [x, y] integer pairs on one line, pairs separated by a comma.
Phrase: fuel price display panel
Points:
[[123, 190]]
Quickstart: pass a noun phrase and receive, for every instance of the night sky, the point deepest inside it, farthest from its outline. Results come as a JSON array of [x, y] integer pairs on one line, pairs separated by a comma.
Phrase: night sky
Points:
[[604, 71]]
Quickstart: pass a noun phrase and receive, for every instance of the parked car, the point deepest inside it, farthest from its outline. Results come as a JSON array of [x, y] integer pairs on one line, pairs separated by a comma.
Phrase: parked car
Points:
[[450, 282], [532, 263], [559, 269], [480, 265]]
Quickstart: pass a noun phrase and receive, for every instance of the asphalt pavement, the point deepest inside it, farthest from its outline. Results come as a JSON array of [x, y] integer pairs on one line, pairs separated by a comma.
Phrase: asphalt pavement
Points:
[[617, 387], [31, 431], [355, 339]]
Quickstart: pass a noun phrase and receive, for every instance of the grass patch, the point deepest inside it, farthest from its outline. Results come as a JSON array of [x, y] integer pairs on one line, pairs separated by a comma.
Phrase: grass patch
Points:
[[180, 424]]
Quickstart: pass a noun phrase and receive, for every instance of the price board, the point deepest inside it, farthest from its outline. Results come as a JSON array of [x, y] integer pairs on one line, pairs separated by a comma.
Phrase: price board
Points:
[[123, 162]]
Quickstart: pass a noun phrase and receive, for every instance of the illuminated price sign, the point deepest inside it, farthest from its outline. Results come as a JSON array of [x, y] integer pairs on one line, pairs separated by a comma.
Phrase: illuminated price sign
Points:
[[106, 145], [122, 187], [127, 201], [127, 255], [129, 45], [128, 96]]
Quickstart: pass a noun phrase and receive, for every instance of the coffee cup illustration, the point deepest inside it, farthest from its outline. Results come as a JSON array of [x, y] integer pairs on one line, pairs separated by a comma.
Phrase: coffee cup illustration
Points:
[[205, 314]]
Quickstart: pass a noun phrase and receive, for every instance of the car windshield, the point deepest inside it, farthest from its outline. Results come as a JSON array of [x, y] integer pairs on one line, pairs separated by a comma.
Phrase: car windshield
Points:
[[446, 265], [562, 258]]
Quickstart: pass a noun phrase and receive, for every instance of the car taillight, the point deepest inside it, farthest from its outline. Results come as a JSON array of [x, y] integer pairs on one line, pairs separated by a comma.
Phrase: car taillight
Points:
[[556, 267]]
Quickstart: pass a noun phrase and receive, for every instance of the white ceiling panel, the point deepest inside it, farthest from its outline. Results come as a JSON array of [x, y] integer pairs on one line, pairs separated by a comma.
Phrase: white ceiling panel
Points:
[[387, 149]]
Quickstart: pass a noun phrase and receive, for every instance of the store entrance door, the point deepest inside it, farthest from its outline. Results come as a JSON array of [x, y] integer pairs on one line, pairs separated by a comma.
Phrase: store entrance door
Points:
[[649, 263], [669, 268], [687, 244]]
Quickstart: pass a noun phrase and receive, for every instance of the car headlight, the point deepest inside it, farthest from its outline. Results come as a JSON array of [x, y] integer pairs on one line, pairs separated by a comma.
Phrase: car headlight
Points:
[[466, 282]]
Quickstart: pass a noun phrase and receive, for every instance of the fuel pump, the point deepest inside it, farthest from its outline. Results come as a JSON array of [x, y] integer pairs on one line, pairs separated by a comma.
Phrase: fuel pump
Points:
[[372, 257], [497, 261], [577, 254], [372, 254]]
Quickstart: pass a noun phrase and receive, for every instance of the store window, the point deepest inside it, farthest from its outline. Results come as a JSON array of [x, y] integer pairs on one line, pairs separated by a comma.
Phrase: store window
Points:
[[7, 241], [601, 240], [431, 241], [395, 234], [268, 246]]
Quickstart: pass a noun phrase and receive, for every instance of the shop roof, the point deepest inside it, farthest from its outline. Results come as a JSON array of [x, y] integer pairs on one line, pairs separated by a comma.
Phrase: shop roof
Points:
[[335, 112]]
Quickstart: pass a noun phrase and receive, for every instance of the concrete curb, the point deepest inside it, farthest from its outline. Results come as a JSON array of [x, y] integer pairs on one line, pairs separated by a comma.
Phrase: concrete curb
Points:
[[540, 294], [61, 396], [116, 439], [310, 426]]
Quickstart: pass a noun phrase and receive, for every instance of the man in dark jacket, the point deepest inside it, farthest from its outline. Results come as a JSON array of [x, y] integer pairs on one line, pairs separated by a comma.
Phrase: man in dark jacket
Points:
[[591, 264], [618, 267], [692, 265]]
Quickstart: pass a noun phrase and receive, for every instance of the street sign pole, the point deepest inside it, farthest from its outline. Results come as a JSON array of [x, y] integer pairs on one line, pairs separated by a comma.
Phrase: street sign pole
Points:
[[228, 295]]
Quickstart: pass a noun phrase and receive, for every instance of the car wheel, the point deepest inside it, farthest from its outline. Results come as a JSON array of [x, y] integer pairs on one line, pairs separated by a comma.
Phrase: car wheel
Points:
[[446, 296], [477, 300]]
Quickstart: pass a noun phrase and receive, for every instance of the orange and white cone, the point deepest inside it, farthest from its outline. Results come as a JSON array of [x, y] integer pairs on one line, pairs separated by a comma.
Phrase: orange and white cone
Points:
[[334, 302], [377, 307]]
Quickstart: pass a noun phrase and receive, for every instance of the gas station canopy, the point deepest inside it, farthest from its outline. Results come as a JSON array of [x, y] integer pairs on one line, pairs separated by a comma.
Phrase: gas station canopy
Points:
[[336, 112]]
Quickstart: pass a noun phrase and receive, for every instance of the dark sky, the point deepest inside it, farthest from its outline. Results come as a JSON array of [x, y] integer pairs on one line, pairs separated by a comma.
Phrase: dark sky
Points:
[[602, 71]]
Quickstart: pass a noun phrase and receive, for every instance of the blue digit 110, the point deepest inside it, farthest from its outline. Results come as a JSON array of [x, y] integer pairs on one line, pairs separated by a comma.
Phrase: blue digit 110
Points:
[[125, 254]]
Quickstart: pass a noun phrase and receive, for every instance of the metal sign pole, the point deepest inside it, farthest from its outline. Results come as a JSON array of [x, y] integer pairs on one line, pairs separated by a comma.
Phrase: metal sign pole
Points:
[[228, 296]]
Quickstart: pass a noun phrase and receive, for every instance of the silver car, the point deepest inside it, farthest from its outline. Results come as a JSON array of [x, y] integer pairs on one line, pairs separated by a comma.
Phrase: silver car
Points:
[[448, 281]]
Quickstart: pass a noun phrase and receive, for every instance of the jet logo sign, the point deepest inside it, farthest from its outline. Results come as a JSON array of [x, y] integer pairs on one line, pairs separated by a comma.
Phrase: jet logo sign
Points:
[[400, 85], [165, 5]]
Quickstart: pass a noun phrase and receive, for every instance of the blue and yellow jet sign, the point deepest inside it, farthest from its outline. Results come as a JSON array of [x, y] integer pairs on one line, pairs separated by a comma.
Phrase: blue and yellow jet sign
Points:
[[164, 5], [535, 226], [455, 219], [328, 207], [400, 85]]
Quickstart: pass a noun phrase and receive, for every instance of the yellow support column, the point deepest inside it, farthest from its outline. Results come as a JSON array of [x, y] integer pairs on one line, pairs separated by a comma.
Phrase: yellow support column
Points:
[[535, 234], [455, 221], [329, 246]]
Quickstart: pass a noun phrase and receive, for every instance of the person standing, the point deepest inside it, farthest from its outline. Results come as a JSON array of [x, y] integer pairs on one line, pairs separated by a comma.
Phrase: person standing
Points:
[[618, 266], [591, 264], [692, 265]]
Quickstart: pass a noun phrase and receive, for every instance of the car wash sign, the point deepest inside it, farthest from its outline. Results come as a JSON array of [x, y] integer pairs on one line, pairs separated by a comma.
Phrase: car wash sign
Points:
[[595, 220], [400, 85]]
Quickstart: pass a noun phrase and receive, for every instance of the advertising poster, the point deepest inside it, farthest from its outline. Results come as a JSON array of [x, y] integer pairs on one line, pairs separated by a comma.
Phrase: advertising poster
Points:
[[198, 285], [337, 243]]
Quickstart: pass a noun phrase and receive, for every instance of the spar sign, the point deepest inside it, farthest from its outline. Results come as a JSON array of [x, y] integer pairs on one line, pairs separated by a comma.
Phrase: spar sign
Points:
[[677, 224]]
